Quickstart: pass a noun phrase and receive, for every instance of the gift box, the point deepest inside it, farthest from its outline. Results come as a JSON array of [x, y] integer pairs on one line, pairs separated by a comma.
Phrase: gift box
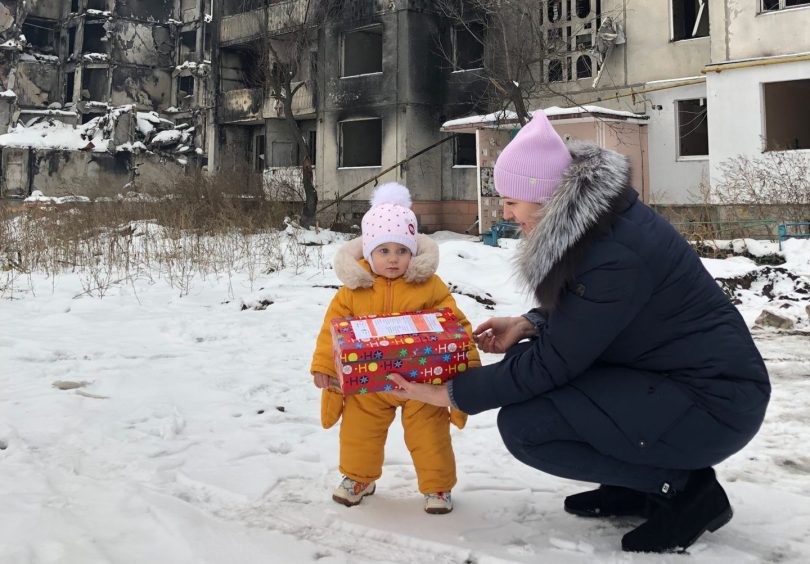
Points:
[[428, 346]]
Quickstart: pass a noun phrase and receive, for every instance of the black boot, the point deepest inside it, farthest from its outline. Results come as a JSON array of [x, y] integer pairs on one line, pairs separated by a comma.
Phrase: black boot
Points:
[[607, 501], [680, 519]]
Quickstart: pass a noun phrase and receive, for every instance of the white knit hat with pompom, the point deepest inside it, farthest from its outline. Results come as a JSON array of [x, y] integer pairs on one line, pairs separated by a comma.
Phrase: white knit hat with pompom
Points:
[[390, 219]]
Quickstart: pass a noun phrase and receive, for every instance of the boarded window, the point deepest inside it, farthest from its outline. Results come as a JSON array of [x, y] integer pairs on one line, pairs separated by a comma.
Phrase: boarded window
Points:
[[468, 46], [693, 128], [361, 142], [465, 150], [787, 115], [282, 153], [690, 18], [362, 51]]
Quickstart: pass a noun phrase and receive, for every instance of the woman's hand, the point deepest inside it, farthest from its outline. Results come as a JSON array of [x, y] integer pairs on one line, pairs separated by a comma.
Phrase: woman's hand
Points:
[[322, 381], [497, 334], [426, 393]]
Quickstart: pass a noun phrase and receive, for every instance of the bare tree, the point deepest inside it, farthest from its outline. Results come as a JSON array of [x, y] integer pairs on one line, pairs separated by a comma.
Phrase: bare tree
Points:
[[287, 32], [524, 49]]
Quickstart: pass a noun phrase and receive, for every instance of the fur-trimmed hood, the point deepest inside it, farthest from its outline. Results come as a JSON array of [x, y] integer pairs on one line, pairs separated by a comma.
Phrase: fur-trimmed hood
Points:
[[592, 188], [353, 270]]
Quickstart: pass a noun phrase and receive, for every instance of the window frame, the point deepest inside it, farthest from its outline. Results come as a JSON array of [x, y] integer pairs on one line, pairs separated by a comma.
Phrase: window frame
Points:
[[456, 164], [678, 156], [342, 143], [781, 8], [343, 50], [454, 46], [703, 11]]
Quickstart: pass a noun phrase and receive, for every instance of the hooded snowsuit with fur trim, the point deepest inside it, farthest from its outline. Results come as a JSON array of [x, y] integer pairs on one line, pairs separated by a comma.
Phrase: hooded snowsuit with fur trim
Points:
[[366, 418]]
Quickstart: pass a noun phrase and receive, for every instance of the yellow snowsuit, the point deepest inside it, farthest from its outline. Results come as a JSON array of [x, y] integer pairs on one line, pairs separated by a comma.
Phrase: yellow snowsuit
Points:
[[366, 418]]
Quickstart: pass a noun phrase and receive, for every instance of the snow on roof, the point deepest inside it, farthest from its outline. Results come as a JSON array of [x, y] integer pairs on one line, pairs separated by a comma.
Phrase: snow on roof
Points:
[[495, 117], [510, 117], [8, 94]]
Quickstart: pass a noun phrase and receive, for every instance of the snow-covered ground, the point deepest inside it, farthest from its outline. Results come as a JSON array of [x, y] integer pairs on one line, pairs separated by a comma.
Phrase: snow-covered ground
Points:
[[194, 436]]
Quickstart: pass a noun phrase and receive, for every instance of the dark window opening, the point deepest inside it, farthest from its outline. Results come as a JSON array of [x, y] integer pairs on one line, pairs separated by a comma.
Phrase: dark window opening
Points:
[[584, 42], [690, 18], [468, 46], [259, 151], [787, 115], [312, 138], [185, 87], [71, 41], [583, 8], [237, 69], [465, 150], [362, 51], [207, 38], [584, 67], [40, 34], [188, 45], [555, 71], [74, 6], [361, 143], [101, 5], [70, 84], [554, 10], [95, 38], [556, 43], [693, 128], [94, 84], [89, 116]]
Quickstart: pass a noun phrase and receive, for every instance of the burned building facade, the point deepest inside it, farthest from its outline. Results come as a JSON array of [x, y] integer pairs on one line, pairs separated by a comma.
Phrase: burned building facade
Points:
[[375, 91], [72, 61]]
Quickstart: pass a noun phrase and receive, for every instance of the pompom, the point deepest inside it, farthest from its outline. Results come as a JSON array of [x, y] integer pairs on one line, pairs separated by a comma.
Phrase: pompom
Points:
[[391, 193]]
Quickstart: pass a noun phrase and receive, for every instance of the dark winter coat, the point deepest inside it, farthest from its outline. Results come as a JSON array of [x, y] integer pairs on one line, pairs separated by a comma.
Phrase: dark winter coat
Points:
[[639, 339]]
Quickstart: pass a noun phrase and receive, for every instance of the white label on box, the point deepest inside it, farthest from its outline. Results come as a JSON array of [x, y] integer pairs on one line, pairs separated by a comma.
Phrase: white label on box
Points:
[[399, 325]]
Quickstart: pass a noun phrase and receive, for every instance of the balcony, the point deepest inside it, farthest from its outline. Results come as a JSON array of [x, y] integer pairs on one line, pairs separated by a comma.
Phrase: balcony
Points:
[[241, 105], [251, 25]]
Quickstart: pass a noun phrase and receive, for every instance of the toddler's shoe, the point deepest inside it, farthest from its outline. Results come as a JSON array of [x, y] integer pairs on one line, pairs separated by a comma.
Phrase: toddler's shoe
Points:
[[438, 503], [351, 492]]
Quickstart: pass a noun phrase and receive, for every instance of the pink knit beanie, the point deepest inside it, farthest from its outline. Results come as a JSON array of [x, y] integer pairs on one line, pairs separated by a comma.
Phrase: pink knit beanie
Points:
[[390, 219], [531, 165]]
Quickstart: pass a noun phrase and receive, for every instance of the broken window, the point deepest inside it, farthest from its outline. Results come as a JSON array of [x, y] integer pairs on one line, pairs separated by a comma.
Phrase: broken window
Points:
[[185, 87], [70, 82], [584, 67], [259, 150], [468, 46], [773, 5], [690, 18], [362, 51], [554, 10], [74, 6], [95, 38], [40, 34], [71, 41], [583, 8], [464, 153], [555, 71], [101, 5], [787, 115], [94, 84], [361, 142], [693, 128], [188, 45]]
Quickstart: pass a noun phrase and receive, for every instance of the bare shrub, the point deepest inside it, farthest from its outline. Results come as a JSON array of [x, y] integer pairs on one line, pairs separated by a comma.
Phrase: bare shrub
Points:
[[773, 186]]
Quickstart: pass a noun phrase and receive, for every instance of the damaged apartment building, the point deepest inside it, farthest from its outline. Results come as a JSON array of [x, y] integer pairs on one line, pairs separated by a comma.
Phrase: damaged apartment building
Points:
[[679, 86], [102, 96]]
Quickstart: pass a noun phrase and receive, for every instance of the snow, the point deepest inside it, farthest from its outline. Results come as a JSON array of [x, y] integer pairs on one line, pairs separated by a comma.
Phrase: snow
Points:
[[8, 94], [552, 111], [57, 135], [194, 435], [168, 137]]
